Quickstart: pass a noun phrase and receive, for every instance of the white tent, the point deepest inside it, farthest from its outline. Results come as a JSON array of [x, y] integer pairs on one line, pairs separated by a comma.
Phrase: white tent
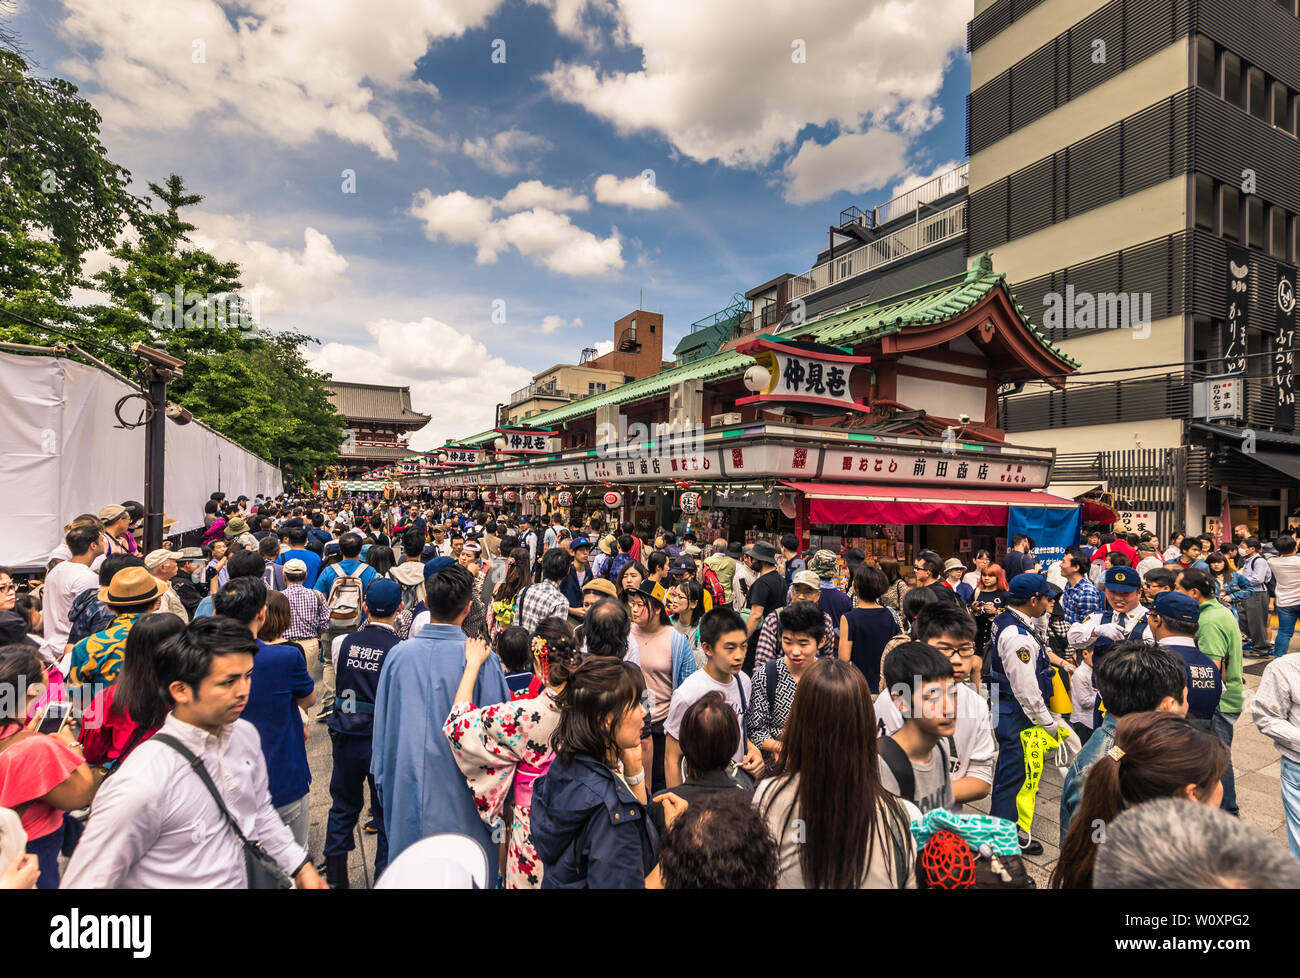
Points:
[[62, 453]]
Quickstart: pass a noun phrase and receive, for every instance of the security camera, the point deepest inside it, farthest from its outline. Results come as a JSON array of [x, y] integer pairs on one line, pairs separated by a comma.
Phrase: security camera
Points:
[[964, 418], [178, 414], [157, 358]]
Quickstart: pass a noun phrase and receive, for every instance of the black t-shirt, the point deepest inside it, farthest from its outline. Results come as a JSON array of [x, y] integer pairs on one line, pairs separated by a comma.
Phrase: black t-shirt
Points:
[[768, 593]]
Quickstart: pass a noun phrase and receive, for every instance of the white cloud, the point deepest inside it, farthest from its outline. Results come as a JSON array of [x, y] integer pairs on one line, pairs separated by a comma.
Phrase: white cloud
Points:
[[553, 323], [287, 70], [719, 80], [636, 193], [451, 375], [534, 193], [538, 233], [275, 277], [603, 347], [856, 162], [507, 152]]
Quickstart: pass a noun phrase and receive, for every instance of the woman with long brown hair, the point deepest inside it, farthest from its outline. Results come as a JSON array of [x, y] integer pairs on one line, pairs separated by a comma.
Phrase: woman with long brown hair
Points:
[[1155, 755], [501, 610], [836, 827]]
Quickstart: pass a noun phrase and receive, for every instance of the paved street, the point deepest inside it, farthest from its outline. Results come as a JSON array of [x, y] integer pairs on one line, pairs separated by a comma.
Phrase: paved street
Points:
[[1254, 761]]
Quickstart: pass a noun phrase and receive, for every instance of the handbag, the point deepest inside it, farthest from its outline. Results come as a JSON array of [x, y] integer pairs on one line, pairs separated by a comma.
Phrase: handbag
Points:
[[264, 873]]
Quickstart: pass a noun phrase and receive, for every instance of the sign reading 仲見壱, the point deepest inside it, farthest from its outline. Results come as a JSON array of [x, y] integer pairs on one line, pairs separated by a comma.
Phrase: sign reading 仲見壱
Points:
[[801, 373]]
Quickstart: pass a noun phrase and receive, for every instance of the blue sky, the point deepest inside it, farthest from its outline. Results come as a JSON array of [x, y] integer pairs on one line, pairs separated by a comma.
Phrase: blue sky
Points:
[[514, 185]]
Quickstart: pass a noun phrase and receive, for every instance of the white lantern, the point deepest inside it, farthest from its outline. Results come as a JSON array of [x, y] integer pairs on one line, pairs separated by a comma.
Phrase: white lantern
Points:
[[613, 500], [511, 496], [690, 503], [566, 499], [757, 378], [500, 443], [531, 495]]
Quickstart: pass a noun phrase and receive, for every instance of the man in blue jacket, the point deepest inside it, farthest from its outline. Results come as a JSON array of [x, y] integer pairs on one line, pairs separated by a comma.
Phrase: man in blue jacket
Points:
[[421, 789], [350, 565]]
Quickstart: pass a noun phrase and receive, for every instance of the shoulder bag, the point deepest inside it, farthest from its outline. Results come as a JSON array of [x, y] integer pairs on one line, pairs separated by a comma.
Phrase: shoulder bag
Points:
[[264, 873]]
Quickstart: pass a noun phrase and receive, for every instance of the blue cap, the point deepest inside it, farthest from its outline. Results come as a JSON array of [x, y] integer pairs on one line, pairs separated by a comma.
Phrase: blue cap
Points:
[[579, 542], [437, 564], [383, 597], [429, 552], [1027, 586], [1176, 607], [1122, 580]]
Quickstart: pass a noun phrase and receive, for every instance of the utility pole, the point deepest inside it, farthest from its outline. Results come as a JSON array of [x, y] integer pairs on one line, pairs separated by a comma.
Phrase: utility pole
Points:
[[160, 370]]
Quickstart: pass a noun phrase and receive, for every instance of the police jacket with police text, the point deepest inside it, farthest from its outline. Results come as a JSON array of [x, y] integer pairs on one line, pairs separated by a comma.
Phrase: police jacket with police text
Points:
[[358, 657]]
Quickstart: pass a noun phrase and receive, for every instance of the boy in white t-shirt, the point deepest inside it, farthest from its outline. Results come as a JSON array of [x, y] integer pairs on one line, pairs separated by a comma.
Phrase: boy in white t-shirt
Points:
[[723, 640], [972, 750]]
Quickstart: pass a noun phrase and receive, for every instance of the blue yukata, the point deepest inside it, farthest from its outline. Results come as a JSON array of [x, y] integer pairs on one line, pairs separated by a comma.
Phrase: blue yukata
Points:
[[421, 789]]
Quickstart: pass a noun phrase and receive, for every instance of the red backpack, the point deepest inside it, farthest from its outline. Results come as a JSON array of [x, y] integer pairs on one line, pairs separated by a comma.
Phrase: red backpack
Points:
[[714, 586]]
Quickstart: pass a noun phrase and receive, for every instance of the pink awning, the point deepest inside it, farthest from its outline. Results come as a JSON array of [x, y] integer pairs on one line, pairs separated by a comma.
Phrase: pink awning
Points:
[[934, 505]]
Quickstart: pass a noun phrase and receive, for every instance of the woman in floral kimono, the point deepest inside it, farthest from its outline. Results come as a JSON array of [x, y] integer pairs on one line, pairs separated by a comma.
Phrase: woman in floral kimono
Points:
[[504, 748]]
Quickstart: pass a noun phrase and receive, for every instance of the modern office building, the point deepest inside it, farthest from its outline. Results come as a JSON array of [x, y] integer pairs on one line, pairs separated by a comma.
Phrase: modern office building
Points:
[[1135, 172]]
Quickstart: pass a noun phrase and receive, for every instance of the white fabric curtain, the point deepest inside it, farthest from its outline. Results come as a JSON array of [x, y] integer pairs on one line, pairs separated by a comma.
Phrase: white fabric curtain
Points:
[[62, 454]]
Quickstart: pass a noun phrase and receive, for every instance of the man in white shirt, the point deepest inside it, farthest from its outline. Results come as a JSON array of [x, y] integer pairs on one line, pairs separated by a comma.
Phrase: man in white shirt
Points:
[[65, 581], [1286, 571], [971, 748], [724, 642], [154, 824]]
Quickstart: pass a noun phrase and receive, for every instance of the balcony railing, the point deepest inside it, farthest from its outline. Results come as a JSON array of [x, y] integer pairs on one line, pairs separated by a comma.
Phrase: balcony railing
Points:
[[946, 225], [932, 190], [541, 390]]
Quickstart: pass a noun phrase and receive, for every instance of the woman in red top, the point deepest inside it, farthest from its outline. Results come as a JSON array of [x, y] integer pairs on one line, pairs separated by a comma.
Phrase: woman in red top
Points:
[[124, 715], [41, 776]]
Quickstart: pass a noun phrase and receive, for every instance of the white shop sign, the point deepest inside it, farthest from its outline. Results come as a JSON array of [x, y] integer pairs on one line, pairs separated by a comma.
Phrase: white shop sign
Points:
[[652, 468], [856, 465]]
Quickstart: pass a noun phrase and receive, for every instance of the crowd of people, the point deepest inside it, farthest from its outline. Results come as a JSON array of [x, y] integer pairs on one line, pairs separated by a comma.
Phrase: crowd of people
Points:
[[578, 707]]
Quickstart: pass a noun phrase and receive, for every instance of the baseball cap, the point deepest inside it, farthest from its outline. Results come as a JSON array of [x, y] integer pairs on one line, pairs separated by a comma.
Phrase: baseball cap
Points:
[[383, 597], [110, 513], [578, 543], [438, 564], [1027, 586], [295, 566], [806, 578], [1177, 607], [601, 586], [156, 558], [1122, 580], [195, 553], [681, 565]]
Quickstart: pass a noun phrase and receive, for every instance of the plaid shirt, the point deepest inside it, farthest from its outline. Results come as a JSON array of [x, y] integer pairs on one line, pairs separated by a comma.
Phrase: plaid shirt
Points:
[[1081, 600], [538, 602], [769, 641], [311, 612]]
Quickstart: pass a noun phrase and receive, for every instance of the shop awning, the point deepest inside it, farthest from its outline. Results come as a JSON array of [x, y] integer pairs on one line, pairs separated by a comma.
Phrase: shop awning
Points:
[[830, 503]]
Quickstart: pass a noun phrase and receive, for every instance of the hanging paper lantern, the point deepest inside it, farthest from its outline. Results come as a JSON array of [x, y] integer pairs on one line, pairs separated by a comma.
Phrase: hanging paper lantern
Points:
[[531, 495], [511, 496], [690, 503], [566, 499], [787, 506], [613, 500], [446, 494]]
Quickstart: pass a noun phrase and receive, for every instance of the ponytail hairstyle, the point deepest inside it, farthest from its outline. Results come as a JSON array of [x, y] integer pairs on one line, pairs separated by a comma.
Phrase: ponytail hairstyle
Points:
[[556, 651], [1156, 755]]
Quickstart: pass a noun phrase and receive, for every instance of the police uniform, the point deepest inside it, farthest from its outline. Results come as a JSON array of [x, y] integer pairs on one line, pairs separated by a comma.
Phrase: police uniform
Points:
[[1020, 679], [1092, 633], [358, 658]]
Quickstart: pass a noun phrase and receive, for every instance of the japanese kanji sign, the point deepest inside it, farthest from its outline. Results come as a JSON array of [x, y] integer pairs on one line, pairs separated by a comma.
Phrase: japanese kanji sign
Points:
[[801, 372], [1283, 352], [1238, 275], [521, 441], [463, 456], [1135, 521]]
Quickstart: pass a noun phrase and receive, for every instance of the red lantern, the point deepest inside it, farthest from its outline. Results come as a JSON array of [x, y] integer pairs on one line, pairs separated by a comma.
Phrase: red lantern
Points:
[[613, 500], [511, 496]]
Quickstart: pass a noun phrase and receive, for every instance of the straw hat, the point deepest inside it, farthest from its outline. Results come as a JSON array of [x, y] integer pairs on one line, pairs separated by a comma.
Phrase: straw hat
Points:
[[131, 587]]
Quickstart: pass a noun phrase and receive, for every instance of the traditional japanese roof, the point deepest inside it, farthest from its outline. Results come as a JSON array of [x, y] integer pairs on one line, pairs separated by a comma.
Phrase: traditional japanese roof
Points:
[[926, 316], [375, 402]]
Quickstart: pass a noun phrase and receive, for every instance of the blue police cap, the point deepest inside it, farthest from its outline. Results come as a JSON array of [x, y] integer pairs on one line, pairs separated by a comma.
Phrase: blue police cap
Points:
[[437, 564], [1122, 580], [1027, 586], [383, 597], [1177, 607]]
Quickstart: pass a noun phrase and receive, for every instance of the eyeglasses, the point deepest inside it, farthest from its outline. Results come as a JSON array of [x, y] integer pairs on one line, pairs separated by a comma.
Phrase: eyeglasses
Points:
[[6, 588], [965, 651]]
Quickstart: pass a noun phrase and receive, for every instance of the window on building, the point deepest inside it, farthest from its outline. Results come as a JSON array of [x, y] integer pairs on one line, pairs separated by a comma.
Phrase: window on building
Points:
[[1230, 69], [1206, 76], [1254, 222], [1281, 108], [1256, 99], [1230, 212], [1277, 233], [1204, 201], [1202, 342], [594, 388]]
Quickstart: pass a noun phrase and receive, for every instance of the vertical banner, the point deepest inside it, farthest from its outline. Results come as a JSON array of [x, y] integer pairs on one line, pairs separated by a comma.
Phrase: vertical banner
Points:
[[1283, 358], [1237, 302], [1052, 530]]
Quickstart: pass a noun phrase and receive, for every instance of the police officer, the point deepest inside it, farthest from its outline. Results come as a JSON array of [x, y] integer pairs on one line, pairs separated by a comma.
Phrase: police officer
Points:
[[1125, 618], [1173, 621], [1020, 680], [358, 656]]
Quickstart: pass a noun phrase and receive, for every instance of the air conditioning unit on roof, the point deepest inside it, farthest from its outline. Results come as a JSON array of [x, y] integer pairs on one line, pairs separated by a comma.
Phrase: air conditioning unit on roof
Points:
[[721, 420]]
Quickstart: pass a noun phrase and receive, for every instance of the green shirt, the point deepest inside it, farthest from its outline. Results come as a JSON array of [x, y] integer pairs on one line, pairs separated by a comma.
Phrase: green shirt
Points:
[[1219, 637]]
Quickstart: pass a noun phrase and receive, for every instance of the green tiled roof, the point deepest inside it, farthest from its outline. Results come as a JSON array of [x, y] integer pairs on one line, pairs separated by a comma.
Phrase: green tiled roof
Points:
[[934, 303]]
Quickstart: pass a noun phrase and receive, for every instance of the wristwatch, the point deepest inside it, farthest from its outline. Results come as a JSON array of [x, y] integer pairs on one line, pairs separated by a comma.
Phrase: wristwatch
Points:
[[632, 782]]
